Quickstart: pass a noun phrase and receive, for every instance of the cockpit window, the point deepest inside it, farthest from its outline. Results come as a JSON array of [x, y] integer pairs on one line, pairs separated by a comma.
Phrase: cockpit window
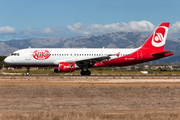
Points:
[[15, 54]]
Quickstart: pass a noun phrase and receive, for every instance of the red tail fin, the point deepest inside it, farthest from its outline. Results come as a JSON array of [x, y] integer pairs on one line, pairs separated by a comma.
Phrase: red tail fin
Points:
[[158, 39]]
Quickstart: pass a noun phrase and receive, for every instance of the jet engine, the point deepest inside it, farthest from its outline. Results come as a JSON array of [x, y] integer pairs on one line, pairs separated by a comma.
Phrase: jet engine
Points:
[[65, 67]]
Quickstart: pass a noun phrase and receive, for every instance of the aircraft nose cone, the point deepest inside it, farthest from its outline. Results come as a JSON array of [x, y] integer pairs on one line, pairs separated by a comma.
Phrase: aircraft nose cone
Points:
[[7, 60]]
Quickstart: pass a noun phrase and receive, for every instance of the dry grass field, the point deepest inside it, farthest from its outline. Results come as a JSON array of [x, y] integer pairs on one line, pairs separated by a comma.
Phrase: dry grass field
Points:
[[86, 98]]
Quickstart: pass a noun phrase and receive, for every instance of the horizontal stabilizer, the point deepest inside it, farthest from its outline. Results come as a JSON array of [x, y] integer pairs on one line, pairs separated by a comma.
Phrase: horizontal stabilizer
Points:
[[162, 53]]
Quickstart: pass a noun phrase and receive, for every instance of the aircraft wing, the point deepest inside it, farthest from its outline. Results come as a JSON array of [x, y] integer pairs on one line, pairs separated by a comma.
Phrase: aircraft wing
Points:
[[95, 58], [86, 60]]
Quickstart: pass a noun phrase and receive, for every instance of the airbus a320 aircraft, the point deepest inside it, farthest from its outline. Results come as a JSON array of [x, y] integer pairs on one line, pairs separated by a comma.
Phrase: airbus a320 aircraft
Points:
[[70, 59]]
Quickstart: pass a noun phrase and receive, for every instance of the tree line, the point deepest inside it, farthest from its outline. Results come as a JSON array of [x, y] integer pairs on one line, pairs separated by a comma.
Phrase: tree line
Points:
[[2, 63]]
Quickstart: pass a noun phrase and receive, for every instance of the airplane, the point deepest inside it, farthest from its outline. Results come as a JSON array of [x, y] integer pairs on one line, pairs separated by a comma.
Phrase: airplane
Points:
[[71, 59]]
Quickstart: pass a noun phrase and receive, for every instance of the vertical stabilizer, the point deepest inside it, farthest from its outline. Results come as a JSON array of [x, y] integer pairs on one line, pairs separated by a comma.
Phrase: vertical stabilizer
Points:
[[158, 39]]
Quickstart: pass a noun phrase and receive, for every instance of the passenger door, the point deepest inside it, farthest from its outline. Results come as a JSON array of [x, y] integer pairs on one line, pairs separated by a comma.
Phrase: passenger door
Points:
[[28, 55], [139, 55]]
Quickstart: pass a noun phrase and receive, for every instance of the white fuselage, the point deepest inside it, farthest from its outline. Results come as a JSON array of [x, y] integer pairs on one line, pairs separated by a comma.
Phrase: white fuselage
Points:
[[25, 56]]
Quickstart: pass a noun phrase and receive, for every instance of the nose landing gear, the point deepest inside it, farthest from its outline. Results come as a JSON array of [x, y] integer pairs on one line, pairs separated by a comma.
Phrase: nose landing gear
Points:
[[27, 73]]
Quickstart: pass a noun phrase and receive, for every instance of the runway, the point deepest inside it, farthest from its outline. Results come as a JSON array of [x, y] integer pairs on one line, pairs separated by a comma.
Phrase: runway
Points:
[[94, 79], [89, 97]]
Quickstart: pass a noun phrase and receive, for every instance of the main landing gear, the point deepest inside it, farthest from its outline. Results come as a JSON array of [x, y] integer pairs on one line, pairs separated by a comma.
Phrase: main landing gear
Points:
[[27, 73], [87, 72]]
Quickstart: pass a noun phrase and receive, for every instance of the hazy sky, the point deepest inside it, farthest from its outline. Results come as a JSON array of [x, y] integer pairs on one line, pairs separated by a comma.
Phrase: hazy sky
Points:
[[20, 19]]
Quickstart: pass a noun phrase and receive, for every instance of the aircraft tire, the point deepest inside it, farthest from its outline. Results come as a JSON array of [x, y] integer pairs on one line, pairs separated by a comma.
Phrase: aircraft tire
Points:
[[27, 74], [88, 73], [83, 73]]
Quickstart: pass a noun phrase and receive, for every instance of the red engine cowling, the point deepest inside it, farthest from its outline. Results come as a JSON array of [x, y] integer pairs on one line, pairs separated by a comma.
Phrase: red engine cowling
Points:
[[65, 67]]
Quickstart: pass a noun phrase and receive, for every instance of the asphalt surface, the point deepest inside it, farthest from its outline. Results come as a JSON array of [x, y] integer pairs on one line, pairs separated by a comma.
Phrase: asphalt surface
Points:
[[102, 76]]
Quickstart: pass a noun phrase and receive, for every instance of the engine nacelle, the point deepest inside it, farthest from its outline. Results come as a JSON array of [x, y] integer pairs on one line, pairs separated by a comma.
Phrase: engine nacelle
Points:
[[65, 67]]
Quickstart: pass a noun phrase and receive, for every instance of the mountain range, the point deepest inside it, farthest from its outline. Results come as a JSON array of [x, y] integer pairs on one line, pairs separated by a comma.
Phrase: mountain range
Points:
[[108, 40]]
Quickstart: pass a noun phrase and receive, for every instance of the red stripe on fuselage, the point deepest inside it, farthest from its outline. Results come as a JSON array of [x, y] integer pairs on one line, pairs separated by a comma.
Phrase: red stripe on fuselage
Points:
[[133, 59]]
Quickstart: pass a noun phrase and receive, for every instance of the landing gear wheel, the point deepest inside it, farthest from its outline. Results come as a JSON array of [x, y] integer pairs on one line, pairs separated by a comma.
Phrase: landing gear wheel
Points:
[[88, 73], [27, 73], [83, 72]]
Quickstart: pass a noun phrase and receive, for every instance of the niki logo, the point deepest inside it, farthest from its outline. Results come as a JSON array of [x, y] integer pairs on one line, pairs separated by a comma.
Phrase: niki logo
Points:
[[158, 39], [41, 54]]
